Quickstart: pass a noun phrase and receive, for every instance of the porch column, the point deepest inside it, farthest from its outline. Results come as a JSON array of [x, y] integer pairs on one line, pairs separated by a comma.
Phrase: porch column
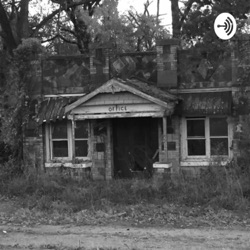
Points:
[[109, 152], [73, 139], [165, 141], [163, 166]]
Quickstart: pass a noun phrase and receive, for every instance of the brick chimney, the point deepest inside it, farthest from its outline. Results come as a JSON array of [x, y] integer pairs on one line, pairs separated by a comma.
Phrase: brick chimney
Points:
[[167, 62], [99, 62]]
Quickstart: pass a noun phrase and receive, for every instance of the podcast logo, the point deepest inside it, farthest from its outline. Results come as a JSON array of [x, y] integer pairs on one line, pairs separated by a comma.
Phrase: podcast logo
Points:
[[225, 26]]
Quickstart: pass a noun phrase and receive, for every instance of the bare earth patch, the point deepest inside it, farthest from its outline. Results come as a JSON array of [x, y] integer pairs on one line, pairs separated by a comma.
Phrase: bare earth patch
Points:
[[163, 226], [72, 237]]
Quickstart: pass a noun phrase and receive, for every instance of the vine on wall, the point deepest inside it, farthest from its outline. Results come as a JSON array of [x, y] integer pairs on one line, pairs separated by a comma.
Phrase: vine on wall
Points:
[[16, 92]]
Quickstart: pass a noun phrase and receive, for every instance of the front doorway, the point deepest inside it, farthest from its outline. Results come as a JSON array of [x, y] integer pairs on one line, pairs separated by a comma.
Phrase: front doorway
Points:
[[135, 144]]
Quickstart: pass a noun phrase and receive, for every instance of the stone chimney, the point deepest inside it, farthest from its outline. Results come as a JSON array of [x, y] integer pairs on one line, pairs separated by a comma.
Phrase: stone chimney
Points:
[[167, 62]]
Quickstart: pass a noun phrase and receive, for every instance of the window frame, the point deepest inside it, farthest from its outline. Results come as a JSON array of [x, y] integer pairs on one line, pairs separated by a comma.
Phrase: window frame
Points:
[[196, 138], [70, 140], [51, 156], [207, 156]]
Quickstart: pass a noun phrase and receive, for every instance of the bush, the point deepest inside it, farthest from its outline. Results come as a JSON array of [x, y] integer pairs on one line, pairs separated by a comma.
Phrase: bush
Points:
[[8, 171]]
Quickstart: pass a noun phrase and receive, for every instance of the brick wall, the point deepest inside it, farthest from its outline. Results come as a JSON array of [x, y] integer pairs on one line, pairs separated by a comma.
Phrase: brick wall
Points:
[[167, 63], [34, 151], [79, 174], [173, 139], [101, 149]]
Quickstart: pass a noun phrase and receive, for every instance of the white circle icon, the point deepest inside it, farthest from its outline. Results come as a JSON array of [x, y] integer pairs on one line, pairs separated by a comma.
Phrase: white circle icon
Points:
[[225, 26]]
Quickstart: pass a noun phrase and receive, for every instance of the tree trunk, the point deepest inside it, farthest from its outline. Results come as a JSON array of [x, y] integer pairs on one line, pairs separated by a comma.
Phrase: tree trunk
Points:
[[9, 39], [175, 19], [23, 21], [158, 10]]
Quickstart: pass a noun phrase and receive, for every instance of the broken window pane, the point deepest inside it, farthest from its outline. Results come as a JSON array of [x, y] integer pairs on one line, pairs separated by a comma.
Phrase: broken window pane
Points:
[[196, 128], [60, 148], [59, 130], [219, 146], [81, 129], [81, 148], [218, 127], [197, 147]]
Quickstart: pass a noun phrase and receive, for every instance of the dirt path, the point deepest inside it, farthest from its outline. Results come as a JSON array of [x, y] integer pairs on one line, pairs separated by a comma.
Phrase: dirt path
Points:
[[70, 237]]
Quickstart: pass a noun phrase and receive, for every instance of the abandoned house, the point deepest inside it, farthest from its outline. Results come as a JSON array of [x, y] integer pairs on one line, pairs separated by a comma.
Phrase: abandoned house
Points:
[[112, 115]]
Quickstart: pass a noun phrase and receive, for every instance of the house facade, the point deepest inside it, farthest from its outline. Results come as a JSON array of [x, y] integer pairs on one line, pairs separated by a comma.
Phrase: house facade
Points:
[[119, 115]]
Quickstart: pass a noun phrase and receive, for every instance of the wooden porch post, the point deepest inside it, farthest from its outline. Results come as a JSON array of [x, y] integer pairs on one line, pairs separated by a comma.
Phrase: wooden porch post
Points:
[[73, 139], [164, 136], [160, 140]]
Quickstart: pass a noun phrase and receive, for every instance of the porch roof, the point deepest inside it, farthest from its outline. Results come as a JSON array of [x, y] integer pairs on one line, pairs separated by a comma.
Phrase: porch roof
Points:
[[53, 108], [211, 103]]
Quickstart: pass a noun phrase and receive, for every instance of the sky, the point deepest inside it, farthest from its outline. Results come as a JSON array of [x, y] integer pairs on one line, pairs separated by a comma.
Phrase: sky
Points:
[[124, 5], [165, 8]]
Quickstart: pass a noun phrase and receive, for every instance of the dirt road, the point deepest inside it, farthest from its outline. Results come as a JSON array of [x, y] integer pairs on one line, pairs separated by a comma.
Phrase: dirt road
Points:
[[71, 237]]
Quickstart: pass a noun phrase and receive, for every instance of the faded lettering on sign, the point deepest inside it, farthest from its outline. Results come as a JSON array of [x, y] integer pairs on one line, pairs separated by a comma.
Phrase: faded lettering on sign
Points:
[[117, 108]]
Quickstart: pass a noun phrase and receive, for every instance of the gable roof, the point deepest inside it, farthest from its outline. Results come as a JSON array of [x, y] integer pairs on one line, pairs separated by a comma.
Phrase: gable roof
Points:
[[136, 87]]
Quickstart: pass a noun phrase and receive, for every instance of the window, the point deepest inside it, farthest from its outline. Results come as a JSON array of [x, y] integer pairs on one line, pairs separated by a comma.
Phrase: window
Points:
[[196, 140], [218, 136], [205, 137], [59, 139], [81, 138]]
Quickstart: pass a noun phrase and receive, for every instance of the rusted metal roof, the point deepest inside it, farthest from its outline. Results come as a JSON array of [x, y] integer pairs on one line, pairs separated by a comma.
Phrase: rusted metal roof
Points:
[[150, 90], [212, 103], [53, 108]]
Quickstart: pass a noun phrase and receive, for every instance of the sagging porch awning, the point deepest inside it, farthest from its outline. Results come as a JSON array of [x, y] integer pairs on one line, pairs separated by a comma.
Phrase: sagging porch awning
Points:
[[211, 103], [53, 108]]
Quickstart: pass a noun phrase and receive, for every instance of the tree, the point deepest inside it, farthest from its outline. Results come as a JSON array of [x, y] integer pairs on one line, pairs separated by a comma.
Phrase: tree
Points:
[[195, 18], [129, 32], [193, 22], [19, 46], [146, 28], [16, 108], [14, 20], [77, 23]]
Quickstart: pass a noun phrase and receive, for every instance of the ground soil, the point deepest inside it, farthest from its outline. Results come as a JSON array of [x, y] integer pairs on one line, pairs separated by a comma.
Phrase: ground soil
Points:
[[64, 237], [16, 234]]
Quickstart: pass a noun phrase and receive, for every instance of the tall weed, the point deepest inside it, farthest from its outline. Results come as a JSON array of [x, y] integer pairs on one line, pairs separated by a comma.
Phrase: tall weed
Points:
[[219, 186]]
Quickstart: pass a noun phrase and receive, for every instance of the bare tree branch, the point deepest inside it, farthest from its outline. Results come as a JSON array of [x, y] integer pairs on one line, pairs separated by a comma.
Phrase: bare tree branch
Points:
[[66, 40], [61, 37], [133, 17], [44, 21], [186, 12], [69, 31], [55, 12]]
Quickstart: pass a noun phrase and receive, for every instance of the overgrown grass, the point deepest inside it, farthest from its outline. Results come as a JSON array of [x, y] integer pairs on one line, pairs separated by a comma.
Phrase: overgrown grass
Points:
[[223, 187]]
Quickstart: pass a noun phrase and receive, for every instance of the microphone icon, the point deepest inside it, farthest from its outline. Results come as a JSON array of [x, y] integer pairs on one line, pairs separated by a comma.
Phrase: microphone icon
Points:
[[225, 26], [228, 26]]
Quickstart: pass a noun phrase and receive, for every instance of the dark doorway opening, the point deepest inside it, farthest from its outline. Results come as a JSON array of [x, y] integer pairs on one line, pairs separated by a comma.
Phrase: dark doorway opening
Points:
[[135, 143]]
